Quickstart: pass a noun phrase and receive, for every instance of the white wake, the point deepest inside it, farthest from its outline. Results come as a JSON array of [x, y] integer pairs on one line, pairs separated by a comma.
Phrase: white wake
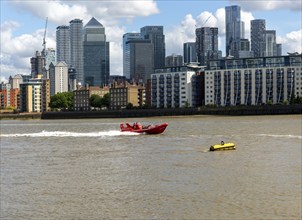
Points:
[[71, 134], [279, 135]]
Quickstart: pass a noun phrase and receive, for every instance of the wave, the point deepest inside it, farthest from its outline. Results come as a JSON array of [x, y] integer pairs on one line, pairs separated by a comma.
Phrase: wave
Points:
[[279, 135], [71, 134]]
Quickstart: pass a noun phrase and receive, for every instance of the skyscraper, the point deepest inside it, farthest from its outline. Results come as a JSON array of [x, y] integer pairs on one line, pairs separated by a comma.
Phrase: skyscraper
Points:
[[258, 37], [270, 43], [76, 48], [126, 52], [96, 54], [50, 56], [157, 37], [189, 52], [63, 44], [206, 44], [233, 30], [174, 60], [279, 49], [58, 76], [37, 65], [141, 60]]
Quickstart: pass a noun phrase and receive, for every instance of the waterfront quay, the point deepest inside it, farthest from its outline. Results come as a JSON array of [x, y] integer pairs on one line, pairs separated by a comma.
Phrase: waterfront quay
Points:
[[133, 113]]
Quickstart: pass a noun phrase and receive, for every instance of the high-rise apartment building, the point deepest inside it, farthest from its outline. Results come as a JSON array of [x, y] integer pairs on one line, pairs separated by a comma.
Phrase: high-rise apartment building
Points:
[[35, 95], [141, 60], [50, 57], [258, 29], [96, 54], [5, 94], [172, 87], [38, 65], [72, 81], [279, 49], [15, 81], [174, 60], [253, 81], [270, 43], [233, 30], [245, 51], [189, 52], [157, 37], [63, 44], [126, 52], [76, 48], [206, 44], [58, 76]]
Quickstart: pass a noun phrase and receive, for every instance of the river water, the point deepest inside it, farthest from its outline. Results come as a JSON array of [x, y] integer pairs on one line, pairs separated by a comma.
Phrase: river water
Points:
[[88, 169]]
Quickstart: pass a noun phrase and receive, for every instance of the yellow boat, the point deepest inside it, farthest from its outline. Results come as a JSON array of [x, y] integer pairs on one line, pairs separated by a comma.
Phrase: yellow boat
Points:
[[223, 146]]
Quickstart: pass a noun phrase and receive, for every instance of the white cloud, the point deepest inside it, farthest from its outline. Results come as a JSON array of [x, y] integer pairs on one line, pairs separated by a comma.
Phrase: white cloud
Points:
[[246, 17], [185, 32], [61, 12], [269, 5], [114, 36], [292, 42], [17, 50]]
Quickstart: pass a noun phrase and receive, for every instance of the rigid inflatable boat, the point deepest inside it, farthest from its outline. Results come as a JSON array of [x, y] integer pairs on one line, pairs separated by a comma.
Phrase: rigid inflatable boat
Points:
[[138, 128]]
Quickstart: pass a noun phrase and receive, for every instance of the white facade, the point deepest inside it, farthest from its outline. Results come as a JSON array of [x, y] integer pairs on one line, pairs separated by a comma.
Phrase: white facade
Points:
[[172, 87], [15, 81], [252, 86], [61, 77]]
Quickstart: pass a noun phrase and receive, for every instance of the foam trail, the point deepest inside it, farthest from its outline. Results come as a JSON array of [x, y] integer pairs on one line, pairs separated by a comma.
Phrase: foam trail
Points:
[[279, 135], [71, 134]]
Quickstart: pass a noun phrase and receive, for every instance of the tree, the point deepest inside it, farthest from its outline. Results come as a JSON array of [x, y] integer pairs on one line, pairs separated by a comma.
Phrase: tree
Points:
[[62, 100], [129, 106], [105, 101], [95, 101]]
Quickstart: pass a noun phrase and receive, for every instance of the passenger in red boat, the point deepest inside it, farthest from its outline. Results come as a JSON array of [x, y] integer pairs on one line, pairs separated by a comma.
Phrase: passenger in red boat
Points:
[[139, 126]]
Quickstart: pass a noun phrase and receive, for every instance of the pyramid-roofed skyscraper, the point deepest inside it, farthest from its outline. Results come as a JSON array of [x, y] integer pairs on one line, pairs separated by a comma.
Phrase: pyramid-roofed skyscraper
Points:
[[96, 54]]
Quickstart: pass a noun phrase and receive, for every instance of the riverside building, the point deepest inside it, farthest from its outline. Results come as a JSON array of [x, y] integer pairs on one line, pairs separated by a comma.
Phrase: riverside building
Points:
[[253, 81], [171, 87], [123, 94], [58, 75], [35, 95]]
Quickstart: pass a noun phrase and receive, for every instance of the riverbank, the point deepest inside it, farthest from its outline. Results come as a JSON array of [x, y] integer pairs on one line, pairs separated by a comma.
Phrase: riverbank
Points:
[[133, 113], [6, 116]]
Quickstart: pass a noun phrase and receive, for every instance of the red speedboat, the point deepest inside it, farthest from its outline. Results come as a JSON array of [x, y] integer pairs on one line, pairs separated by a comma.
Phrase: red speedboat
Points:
[[138, 128]]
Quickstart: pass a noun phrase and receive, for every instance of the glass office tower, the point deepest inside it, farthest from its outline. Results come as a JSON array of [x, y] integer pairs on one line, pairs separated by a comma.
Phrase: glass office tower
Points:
[[233, 30], [157, 37], [76, 48], [63, 44], [126, 52], [96, 54]]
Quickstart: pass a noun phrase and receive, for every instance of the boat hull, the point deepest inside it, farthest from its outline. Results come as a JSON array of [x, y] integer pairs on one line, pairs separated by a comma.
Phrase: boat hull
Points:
[[156, 129], [226, 146]]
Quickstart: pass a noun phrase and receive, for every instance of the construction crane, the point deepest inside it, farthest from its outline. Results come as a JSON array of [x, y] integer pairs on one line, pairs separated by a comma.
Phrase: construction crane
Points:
[[44, 71], [206, 21], [44, 41]]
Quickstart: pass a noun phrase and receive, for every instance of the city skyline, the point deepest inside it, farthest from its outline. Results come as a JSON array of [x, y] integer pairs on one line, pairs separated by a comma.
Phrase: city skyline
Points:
[[22, 25]]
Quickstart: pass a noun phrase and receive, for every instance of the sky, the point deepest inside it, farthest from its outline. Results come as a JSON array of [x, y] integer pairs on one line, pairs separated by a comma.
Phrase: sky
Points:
[[23, 24]]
